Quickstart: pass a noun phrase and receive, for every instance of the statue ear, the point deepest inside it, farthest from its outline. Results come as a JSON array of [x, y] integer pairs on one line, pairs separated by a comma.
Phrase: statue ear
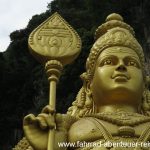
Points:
[[86, 83], [89, 103]]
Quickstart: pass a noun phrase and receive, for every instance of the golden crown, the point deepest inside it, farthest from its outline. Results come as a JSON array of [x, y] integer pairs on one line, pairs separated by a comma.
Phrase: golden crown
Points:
[[114, 32]]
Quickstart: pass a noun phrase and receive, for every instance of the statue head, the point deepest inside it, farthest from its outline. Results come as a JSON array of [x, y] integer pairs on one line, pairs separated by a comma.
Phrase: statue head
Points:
[[114, 70]]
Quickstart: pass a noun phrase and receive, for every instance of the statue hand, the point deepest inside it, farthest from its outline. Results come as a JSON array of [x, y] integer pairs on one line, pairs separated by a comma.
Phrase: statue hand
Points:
[[36, 128]]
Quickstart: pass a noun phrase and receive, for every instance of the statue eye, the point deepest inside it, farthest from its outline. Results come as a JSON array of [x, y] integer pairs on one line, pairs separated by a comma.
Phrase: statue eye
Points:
[[107, 62], [132, 63]]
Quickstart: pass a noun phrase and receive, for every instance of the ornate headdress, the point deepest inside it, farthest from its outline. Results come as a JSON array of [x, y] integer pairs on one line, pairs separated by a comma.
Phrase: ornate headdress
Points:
[[114, 32]]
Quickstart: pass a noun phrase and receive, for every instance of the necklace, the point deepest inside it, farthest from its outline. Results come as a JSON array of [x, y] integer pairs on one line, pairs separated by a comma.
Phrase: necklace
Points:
[[121, 118]]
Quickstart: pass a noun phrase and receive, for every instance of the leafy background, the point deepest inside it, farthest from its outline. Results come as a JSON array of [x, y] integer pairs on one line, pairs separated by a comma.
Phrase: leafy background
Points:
[[23, 83]]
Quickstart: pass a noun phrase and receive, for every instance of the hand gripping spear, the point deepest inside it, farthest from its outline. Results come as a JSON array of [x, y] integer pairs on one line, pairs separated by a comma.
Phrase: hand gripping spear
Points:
[[54, 43]]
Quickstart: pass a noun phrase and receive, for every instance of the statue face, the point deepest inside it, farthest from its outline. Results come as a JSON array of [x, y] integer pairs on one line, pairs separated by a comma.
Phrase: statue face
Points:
[[118, 77]]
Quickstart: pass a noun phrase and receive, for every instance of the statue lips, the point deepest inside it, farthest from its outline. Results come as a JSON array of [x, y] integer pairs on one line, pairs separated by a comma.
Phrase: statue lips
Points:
[[121, 77]]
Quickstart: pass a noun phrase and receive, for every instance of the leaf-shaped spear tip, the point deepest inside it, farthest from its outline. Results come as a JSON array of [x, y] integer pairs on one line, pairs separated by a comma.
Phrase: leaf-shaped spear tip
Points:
[[55, 39]]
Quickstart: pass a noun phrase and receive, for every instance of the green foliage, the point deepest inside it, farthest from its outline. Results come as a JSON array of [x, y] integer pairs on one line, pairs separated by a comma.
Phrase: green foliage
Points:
[[24, 86]]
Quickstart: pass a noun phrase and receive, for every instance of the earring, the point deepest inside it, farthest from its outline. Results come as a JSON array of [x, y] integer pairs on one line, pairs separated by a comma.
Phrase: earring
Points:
[[88, 102]]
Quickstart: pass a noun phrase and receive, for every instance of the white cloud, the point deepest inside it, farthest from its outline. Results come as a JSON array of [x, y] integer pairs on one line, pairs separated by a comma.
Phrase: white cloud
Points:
[[15, 15]]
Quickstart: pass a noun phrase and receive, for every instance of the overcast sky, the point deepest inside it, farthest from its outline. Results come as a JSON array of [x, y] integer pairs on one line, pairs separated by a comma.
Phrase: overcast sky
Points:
[[15, 15]]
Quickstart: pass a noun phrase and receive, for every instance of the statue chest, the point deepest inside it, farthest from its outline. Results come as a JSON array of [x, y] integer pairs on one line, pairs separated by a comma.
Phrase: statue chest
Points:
[[94, 129]]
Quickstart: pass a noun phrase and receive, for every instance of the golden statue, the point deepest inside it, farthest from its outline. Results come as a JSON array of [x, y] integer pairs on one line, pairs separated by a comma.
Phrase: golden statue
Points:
[[113, 105]]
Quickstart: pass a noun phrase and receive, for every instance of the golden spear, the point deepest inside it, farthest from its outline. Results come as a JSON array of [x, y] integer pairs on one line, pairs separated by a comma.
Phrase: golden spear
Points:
[[54, 43]]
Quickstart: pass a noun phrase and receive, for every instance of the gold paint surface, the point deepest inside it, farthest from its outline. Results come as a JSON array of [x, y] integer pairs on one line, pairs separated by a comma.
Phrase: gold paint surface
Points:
[[113, 105]]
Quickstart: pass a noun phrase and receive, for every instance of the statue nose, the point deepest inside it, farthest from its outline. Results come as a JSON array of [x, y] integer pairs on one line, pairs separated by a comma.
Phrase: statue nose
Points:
[[121, 67]]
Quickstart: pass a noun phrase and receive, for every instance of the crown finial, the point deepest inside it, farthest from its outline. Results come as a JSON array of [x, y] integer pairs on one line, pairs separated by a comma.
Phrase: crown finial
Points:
[[112, 21], [114, 16]]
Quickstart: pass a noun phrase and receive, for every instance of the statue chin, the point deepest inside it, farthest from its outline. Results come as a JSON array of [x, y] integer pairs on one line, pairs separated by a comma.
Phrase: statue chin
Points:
[[118, 94], [126, 94], [127, 90]]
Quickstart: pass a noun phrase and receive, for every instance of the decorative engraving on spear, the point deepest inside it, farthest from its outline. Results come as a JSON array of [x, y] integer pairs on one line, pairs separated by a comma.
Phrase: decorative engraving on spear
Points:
[[54, 43]]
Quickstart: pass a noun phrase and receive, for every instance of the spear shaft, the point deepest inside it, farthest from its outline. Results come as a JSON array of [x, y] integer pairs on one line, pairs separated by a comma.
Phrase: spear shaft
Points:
[[52, 103], [53, 69]]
